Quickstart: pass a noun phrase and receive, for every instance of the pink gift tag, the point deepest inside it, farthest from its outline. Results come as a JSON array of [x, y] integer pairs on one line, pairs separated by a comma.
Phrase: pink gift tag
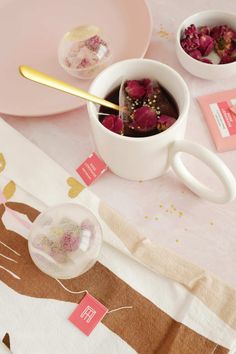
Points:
[[88, 314], [91, 168]]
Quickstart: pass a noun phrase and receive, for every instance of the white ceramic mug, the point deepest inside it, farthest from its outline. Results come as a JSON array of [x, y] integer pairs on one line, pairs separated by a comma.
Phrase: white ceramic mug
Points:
[[150, 157]]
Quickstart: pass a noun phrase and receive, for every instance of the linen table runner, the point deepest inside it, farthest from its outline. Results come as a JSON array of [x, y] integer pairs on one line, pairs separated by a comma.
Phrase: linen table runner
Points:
[[176, 307]]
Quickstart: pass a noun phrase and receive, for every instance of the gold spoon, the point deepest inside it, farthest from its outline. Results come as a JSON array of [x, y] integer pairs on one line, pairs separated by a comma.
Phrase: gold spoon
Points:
[[41, 78]]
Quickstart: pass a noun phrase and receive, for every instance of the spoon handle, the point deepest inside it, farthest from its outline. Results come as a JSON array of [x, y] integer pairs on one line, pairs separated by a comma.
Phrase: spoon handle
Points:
[[41, 78]]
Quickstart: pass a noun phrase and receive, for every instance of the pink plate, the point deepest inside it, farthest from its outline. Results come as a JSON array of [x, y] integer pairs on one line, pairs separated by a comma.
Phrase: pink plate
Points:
[[30, 32]]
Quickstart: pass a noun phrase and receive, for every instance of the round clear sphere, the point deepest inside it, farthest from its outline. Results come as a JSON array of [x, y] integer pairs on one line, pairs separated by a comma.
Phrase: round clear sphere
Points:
[[83, 52], [65, 241]]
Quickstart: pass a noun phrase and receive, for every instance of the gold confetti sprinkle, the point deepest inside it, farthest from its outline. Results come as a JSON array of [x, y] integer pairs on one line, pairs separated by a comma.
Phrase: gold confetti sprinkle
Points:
[[177, 241], [172, 206], [211, 223], [156, 218], [181, 214], [146, 217], [163, 33], [161, 205]]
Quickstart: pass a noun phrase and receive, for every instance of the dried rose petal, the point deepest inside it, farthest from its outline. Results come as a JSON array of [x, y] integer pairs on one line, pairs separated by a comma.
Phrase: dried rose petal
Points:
[[218, 31], [233, 53], [135, 89], [206, 44], [196, 54], [221, 31], [113, 123], [222, 48], [224, 38], [164, 122], [221, 38], [145, 119], [85, 63], [206, 60], [190, 44], [229, 35], [227, 59], [148, 87], [204, 30], [191, 30], [94, 43]]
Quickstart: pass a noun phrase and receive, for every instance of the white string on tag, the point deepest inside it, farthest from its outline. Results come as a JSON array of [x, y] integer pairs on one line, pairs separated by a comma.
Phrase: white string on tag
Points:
[[71, 291], [86, 291], [120, 308]]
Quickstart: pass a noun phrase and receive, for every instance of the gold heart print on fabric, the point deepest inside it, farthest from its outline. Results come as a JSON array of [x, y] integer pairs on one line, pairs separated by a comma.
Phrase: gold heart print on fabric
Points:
[[76, 187], [2, 162], [9, 190]]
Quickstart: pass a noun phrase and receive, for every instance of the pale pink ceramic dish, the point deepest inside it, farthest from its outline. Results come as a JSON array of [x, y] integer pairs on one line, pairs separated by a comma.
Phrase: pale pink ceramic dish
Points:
[[30, 32]]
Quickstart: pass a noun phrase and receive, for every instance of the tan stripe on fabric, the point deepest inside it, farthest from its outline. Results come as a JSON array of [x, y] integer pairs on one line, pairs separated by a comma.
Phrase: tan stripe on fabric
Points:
[[218, 296], [144, 327]]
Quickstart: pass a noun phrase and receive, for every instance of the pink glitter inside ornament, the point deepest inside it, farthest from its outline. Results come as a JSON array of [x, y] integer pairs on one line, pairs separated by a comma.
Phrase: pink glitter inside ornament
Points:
[[69, 242], [83, 52], [69, 245]]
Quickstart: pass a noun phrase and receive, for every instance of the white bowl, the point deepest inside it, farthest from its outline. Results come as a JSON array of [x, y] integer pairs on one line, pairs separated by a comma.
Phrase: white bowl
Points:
[[198, 68]]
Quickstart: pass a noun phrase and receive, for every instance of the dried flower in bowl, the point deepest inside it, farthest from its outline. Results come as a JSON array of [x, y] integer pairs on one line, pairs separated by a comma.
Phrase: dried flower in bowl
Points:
[[201, 42]]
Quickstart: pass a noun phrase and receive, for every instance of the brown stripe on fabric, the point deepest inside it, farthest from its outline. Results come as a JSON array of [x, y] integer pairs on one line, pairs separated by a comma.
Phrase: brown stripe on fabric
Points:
[[6, 341], [214, 293], [144, 327]]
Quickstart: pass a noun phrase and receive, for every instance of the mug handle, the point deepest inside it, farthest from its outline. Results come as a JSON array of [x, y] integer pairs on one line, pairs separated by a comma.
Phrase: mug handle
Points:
[[212, 161]]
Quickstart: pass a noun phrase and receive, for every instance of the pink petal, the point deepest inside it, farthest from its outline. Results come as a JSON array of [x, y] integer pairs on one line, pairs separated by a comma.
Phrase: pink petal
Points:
[[206, 44], [164, 122], [145, 119], [94, 43], [190, 44], [113, 123], [227, 59], [119, 125], [233, 53], [190, 30], [134, 89], [204, 30], [196, 54], [206, 60], [109, 122], [218, 31], [148, 86]]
